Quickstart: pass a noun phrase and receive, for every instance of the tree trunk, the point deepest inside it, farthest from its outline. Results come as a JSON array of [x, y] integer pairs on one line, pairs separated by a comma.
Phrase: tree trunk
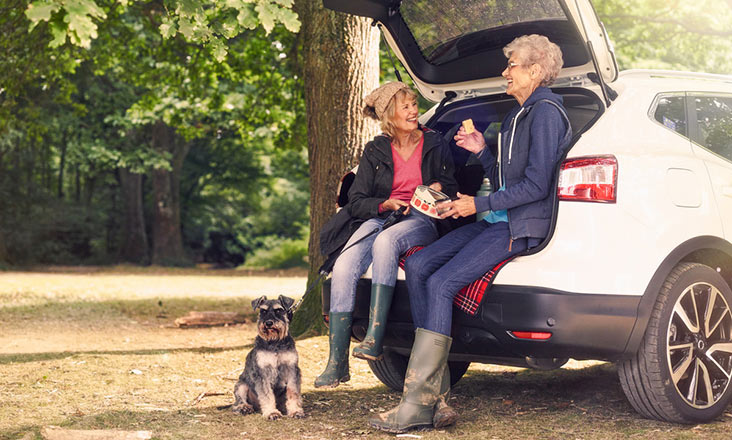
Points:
[[134, 238], [167, 238], [61, 167], [340, 64], [3, 249]]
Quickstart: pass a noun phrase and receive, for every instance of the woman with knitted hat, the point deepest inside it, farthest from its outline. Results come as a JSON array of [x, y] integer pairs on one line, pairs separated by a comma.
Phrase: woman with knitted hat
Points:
[[393, 164]]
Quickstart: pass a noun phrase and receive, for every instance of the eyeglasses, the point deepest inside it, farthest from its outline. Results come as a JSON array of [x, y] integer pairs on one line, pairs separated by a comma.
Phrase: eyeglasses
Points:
[[511, 65]]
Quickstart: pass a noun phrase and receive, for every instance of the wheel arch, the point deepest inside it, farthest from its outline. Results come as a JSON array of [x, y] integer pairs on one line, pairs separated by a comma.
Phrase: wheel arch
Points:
[[714, 252]]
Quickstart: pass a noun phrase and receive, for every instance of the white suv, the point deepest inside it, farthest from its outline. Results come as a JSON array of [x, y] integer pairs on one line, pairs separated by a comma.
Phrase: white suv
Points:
[[638, 266]]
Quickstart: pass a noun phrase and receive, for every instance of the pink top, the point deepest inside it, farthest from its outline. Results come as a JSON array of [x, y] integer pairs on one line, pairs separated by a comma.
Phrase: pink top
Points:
[[407, 174]]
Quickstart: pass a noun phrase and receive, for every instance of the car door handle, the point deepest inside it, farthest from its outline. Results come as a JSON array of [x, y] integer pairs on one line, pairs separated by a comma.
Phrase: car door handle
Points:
[[727, 191]]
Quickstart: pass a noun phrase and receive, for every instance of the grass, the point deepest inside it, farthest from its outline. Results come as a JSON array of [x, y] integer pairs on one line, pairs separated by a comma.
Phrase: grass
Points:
[[96, 349]]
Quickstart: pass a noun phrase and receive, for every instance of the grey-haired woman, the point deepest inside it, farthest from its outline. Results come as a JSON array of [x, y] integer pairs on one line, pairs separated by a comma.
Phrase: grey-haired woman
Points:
[[533, 136]]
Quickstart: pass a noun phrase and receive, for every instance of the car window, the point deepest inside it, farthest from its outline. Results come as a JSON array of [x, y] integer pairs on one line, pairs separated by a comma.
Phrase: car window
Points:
[[714, 119], [671, 112], [436, 24]]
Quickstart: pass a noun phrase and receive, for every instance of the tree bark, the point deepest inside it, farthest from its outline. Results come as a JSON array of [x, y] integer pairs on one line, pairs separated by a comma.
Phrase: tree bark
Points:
[[3, 248], [134, 247], [61, 167], [340, 65], [3, 207], [167, 238]]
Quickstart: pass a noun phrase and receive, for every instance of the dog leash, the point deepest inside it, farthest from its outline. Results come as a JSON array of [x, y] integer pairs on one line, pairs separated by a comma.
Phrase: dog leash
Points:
[[327, 267]]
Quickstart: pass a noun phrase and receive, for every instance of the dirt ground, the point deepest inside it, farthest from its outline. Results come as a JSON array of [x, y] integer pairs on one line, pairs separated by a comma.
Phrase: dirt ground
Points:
[[87, 348]]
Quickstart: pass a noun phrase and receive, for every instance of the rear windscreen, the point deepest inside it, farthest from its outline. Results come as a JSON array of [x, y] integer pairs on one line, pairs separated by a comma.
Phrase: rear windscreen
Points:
[[443, 29]]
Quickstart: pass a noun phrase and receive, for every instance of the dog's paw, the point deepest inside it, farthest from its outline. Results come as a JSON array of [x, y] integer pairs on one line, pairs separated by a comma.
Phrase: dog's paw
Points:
[[299, 414], [242, 409], [274, 415]]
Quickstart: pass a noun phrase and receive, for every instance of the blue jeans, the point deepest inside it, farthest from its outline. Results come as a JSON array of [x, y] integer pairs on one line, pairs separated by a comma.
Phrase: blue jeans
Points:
[[438, 272], [383, 248]]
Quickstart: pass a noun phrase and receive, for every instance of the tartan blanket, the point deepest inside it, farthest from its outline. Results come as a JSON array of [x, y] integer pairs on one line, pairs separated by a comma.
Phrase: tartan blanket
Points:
[[469, 297]]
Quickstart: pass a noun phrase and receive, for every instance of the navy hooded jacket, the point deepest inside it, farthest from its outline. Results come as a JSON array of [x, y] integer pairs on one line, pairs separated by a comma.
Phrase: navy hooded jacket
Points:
[[533, 137]]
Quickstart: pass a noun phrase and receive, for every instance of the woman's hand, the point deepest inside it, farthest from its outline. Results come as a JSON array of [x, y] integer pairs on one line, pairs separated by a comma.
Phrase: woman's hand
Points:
[[437, 186], [463, 206], [394, 204], [473, 142]]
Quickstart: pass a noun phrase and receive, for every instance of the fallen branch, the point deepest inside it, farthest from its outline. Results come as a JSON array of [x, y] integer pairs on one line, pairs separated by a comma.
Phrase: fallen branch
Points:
[[205, 394], [210, 319], [56, 433]]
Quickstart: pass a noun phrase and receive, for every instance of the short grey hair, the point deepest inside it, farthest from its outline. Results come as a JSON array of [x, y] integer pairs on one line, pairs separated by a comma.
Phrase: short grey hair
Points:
[[537, 49]]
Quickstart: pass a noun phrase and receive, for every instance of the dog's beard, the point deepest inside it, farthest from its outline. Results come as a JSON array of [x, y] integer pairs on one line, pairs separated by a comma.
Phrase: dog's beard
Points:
[[274, 333]]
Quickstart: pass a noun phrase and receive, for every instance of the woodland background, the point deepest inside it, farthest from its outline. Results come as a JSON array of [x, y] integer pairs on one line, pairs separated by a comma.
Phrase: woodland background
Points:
[[180, 132]]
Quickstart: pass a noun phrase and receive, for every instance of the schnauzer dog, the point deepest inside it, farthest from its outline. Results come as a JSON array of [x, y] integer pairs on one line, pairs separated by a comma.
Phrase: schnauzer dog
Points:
[[271, 378]]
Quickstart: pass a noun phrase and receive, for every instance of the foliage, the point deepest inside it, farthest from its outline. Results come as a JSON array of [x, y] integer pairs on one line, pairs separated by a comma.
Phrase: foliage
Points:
[[675, 34], [72, 125], [280, 253], [210, 23]]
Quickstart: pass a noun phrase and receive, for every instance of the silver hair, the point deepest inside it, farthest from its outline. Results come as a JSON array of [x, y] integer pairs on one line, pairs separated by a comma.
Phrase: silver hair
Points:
[[537, 49]]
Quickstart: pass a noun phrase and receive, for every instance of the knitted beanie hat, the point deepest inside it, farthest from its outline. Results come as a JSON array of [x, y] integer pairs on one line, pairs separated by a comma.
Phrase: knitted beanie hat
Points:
[[377, 100]]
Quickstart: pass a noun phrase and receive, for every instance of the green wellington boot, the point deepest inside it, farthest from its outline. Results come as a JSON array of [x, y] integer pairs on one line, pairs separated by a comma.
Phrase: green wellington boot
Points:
[[371, 347], [339, 338], [423, 385], [444, 414]]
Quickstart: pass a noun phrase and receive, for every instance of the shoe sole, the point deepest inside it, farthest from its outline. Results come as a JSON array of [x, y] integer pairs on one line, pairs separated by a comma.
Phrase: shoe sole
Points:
[[367, 357], [445, 422], [344, 379], [400, 431]]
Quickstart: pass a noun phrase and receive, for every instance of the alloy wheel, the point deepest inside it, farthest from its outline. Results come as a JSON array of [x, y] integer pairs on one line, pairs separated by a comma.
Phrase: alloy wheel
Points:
[[699, 349]]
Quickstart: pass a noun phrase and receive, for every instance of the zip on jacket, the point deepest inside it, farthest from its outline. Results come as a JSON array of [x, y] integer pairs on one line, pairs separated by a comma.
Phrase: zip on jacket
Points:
[[527, 216]]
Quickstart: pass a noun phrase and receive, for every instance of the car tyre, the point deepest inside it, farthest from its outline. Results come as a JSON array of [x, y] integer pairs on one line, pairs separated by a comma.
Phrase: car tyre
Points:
[[392, 367], [681, 372]]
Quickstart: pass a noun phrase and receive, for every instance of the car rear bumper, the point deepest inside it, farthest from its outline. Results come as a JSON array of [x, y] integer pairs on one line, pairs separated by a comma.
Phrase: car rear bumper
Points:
[[582, 326]]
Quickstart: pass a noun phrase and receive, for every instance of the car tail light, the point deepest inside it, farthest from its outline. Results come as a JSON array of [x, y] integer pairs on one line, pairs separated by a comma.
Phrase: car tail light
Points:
[[589, 179], [535, 336]]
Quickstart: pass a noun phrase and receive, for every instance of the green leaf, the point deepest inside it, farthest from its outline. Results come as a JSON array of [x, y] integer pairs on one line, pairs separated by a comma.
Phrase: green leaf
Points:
[[230, 28], [82, 30], [246, 18], [237, 4], [219, 49], [266, 13], [186, 28], [38, 11], [290, 20], [84, 7], [168, 28], [189, 7], [59, 35], [285, 3], [79, 16]]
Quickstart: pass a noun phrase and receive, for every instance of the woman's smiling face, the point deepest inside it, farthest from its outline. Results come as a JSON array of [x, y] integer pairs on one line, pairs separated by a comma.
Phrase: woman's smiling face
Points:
[[522, 79], [406, 113]]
